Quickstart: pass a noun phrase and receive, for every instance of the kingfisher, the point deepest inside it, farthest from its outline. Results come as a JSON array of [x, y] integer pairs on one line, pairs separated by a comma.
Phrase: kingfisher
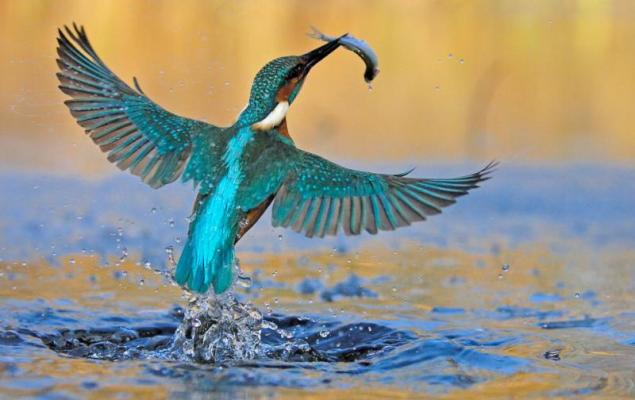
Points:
[[240, 170]]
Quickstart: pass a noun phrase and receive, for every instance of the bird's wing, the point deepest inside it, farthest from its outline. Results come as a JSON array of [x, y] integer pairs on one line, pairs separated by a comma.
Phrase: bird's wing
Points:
[[137, 134], [319, 197]]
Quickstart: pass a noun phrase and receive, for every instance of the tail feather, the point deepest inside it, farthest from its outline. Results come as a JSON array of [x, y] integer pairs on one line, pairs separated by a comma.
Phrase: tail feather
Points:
[[198, 276], [184, 267], [208, 255]]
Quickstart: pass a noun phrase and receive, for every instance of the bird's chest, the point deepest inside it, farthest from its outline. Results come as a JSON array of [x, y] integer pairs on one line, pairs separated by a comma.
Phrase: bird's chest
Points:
[[263, 169]]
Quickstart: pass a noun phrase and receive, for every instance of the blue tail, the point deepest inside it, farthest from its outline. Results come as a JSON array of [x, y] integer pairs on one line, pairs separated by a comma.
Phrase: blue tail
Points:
[[208, 255]]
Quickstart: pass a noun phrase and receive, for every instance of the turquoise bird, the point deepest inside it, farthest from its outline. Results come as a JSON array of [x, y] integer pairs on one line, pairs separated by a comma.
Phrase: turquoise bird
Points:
[[241, 169]]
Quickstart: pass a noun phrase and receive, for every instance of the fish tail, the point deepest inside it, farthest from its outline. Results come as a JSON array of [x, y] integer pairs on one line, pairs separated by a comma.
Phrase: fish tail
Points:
[[316, 34]]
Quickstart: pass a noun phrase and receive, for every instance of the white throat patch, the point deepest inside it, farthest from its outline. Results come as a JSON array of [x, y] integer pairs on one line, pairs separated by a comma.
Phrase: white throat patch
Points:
[[274, 118]]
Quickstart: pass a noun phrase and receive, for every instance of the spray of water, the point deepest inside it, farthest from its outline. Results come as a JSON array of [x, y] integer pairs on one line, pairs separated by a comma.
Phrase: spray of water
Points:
[[217, 329]]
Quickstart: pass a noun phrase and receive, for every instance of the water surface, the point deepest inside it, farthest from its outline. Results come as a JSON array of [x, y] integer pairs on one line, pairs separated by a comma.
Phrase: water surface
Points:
[[525, 288]]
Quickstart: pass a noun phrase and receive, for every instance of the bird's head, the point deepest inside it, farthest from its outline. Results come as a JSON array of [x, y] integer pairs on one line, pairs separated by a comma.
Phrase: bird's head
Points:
[[276, 86]]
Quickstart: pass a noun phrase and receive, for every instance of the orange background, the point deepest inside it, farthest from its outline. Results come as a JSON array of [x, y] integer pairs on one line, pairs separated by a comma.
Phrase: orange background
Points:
[[520, 81]]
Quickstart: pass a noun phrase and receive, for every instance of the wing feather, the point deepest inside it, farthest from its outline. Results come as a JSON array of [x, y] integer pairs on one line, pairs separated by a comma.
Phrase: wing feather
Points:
[[136, 133], [319, 197]]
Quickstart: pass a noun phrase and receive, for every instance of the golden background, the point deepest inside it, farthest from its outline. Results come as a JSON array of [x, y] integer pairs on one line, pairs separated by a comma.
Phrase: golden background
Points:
[[531, 81], [519, 81]]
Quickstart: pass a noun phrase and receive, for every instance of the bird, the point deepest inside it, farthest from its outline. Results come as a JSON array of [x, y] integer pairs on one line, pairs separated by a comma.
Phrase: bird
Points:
[[240, 170]]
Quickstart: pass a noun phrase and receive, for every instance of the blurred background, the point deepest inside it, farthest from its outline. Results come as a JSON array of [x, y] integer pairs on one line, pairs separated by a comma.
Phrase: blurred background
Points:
[[526, 286], [521, 81]]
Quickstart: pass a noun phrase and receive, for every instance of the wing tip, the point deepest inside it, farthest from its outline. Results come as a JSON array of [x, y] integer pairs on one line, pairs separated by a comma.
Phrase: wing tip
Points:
[[78, 32], [484, 173], [406, 173], [137, 86], [489, 168]]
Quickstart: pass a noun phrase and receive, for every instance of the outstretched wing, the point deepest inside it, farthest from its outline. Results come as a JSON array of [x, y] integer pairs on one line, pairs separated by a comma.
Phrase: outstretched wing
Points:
[[137, 134], [319, 197]]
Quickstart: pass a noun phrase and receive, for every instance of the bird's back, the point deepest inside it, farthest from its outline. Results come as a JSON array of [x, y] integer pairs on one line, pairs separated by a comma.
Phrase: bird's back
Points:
[[266, 161]]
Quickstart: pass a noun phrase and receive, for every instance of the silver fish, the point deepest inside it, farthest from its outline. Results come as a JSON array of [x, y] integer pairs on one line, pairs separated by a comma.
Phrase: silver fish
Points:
[[358, 46]]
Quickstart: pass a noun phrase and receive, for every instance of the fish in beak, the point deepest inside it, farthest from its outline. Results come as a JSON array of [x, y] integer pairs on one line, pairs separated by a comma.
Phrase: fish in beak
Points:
[[313, 57]]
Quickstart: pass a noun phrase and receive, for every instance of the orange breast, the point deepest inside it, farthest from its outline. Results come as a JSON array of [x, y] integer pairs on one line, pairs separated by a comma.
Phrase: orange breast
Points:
[[283, 95], [285, 91]]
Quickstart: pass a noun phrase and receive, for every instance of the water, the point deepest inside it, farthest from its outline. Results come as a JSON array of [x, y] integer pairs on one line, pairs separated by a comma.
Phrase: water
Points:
[[520, 289], [218, 329]]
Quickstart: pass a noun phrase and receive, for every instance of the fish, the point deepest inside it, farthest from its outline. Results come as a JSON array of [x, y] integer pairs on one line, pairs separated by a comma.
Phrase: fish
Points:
[[358, 46]]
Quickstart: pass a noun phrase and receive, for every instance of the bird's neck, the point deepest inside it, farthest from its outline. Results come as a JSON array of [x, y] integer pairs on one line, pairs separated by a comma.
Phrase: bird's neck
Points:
[[274, 118], [264, 112], [260, 121]]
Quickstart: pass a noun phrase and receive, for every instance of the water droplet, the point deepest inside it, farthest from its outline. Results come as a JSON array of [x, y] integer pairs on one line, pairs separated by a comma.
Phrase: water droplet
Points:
[[244, 281], [153, 210], [437, 87], [500, 276], [279, 237], [171, 223], [450, 55], [254, 315], [274, 273], [269, 325], [505, 267], [170, 252], [577, 295], [71, 261], [285, 334], [141, 282], [553, 355], [196, 322], [124, 254], [275, 300], [394, 289], [461, 61], [324, 333]]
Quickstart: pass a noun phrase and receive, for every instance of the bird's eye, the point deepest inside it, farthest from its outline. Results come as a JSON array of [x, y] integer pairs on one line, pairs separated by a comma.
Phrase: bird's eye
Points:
[[295, 72]]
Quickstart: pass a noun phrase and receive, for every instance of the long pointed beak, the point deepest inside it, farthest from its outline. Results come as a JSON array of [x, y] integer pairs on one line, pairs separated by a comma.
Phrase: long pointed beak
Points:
[[315, 56]]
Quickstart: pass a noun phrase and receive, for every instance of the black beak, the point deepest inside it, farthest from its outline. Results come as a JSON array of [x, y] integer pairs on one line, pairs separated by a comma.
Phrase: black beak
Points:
[[315, 56]]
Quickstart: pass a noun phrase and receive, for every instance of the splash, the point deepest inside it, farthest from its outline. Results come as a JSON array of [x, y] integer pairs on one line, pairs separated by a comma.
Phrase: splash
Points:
[[217, 329]]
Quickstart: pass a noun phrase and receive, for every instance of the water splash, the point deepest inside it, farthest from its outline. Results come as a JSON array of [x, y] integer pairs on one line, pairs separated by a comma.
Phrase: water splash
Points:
[[217, 329]]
